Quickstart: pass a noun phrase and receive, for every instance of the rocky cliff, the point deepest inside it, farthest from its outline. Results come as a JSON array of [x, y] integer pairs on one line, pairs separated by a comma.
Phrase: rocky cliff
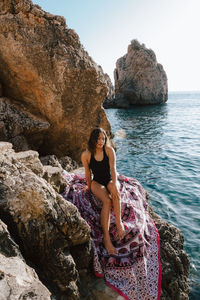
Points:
[[54, 87], [111, 92], [55, 240], [17, 279], [139, 78], [45, 226]]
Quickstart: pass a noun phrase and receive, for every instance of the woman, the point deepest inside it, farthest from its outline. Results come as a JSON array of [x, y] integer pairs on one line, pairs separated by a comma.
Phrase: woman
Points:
[[100, 159]]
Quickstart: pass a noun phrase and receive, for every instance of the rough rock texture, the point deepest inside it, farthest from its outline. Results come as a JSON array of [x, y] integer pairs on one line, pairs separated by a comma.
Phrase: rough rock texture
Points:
[[139, 79], [18, 281], [18, 126], [53, 168], [111, 92], [110, 103], [46, 227], [64, 162], [44, 66], [94, 288], [174, 260]]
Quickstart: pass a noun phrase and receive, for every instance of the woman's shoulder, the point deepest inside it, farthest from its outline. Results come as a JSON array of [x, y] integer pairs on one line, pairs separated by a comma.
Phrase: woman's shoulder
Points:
[[86, 154], [109, 150]]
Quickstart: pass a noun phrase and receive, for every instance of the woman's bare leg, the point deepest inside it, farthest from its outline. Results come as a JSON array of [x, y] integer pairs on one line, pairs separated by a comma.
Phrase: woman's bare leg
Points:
[[102, 194], [117, 210]]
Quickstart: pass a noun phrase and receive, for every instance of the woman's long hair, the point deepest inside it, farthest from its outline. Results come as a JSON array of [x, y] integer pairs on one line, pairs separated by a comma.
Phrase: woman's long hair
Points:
[[94, 138]]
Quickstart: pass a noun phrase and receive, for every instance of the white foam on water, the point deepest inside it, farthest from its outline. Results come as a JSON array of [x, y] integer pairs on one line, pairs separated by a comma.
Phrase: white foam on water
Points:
[[121, 134]]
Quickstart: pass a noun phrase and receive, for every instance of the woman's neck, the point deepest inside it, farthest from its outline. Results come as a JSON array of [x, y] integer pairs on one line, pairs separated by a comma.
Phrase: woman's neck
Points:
[[97, 151]]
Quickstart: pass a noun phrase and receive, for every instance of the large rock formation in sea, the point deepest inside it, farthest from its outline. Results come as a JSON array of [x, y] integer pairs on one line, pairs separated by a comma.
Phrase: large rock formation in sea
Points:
[[139, 78], [55, 89], [55, 240]]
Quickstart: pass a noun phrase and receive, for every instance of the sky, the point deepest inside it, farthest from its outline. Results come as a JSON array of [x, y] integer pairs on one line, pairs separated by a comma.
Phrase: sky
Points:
[[171, 28]]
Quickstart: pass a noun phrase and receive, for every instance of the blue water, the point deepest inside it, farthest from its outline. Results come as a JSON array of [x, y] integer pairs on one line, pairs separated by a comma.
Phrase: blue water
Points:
[[160, 146]]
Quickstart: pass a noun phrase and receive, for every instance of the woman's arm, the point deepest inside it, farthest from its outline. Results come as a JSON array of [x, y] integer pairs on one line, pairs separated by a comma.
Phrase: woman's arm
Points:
[[112, 163], [113, 186], [84, 159]]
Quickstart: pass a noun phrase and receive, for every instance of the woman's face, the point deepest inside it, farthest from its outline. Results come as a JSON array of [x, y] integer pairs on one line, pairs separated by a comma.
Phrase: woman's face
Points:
[[100, 141]]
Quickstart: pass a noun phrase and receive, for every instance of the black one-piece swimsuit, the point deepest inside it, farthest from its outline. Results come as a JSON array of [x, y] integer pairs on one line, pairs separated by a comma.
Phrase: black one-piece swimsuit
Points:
[[101, 169]]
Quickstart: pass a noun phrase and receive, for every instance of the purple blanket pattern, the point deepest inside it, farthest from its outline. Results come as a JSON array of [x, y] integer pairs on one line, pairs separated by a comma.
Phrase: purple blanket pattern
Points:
[[135, 272]]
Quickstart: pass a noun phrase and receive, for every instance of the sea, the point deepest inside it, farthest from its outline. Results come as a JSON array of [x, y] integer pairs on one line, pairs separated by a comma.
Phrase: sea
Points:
[[159, 145]]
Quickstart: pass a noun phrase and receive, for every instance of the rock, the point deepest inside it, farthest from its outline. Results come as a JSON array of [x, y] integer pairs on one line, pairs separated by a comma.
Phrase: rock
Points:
[[68, 164], [1, 92], [20, 127], [111, 92], [19, 142], [45, 224], [30, 160], [80, 170], [94, 288], [64, 162], [50, 160], [16, 6], [174, 260], [17, 279], [139, 79], [109, 103], [45, 67], [53, 169], [53, 175]]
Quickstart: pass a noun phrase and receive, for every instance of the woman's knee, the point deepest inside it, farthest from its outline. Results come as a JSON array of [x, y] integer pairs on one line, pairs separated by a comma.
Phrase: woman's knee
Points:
[[100, 192], [111, 184], [107, 201]]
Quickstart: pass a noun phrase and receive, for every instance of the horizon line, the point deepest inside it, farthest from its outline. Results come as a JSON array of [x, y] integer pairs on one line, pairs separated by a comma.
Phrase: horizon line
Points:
[[184, 91]]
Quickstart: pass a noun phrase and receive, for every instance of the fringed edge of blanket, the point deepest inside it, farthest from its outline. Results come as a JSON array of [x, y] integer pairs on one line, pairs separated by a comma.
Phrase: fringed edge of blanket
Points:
[[159, 261], [159, 274]]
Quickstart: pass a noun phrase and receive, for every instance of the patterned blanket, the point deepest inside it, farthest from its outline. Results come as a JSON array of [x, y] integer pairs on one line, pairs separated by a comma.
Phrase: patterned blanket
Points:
[[135, 272]]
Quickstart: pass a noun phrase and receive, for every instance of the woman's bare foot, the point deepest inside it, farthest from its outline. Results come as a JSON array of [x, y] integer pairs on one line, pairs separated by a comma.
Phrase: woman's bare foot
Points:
[[121, 231], [109, 246]]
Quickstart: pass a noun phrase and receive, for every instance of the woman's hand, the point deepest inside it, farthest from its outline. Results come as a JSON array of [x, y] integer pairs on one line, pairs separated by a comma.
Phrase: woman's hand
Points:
[[113, 185], [86, 188], [114, 192], [84, 159]]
